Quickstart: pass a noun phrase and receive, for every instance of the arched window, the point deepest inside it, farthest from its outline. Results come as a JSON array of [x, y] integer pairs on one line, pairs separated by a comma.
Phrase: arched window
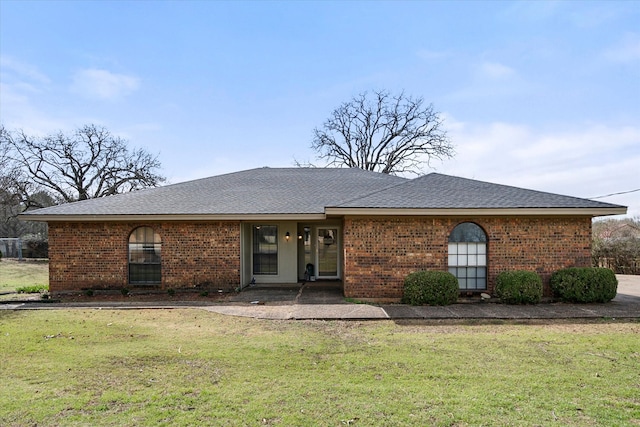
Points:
[[468, 256], [144, 256]]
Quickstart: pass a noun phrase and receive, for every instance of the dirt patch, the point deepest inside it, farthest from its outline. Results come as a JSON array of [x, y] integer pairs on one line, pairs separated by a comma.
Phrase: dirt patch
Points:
[[117, 296]]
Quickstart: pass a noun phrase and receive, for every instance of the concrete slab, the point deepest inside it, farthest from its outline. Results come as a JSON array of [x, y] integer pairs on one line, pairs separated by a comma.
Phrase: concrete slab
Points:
[[302, 311], [266, 294]]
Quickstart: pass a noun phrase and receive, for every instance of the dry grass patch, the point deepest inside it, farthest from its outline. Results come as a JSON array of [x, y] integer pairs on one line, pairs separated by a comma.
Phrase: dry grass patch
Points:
[[15, 274]]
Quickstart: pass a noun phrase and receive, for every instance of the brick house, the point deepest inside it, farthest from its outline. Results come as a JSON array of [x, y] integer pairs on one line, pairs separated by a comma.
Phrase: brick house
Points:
[[276, 226]]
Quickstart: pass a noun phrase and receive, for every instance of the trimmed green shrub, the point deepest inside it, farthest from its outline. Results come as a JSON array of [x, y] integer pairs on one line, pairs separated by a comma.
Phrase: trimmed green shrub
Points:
[[584, 284], [430, 288], [519, 287]]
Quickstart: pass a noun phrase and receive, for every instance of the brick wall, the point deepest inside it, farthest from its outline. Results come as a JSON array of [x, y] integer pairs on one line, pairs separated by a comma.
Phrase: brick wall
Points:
[[380, 252], [95, 255]]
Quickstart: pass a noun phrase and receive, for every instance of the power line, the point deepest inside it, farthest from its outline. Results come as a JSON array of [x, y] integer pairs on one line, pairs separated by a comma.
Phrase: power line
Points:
[[615, 194]]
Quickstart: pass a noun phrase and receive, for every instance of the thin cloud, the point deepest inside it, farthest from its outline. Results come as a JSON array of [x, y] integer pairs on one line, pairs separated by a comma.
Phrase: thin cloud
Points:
[[22, 71], [103, 84], [495, 70], [597, 159]]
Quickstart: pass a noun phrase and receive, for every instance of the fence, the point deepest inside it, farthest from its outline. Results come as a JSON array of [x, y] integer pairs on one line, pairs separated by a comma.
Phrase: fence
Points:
[[11, 247], [628, 266]]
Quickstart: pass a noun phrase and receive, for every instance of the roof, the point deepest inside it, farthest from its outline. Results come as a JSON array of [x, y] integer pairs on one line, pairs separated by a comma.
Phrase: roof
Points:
[[443, 192], [314, 193]]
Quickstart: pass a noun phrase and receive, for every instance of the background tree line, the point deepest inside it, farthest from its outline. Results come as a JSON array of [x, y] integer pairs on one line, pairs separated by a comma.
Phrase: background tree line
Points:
[[616, 245]]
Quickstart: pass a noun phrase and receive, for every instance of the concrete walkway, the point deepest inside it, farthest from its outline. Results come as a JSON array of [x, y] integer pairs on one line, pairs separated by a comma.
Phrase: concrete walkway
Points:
[[325, 301]]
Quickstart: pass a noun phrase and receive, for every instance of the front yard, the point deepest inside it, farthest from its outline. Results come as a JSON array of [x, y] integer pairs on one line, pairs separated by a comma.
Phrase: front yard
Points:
[[192, 367]]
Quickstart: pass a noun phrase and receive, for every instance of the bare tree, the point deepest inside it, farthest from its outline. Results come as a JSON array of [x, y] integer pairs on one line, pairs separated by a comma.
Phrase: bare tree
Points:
[[88, 163], [17, 194], [384, 133]]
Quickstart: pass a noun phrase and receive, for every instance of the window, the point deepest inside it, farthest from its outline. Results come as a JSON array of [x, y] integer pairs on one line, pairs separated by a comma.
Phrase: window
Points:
[[468, 256], [144, 256], [265, 249]]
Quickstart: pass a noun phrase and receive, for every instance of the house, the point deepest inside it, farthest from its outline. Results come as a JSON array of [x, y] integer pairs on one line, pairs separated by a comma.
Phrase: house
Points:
[[276, 226]]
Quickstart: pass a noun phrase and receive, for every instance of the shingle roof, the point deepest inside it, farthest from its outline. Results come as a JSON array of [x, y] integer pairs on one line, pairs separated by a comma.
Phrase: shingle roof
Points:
[[254, 191], [437, 191], [314, 191]]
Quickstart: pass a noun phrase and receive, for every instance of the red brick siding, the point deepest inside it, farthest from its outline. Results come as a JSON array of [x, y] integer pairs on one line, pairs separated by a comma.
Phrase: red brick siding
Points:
[[198, 253], [94, 255], [380, 252]]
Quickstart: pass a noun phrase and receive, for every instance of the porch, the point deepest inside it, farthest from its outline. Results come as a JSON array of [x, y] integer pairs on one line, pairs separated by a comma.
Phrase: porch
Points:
[[318, 292], [291, 252]]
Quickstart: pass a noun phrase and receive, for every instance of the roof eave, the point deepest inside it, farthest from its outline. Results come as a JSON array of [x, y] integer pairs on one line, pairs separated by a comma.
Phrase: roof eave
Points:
[[171, 217], [617, 210], [331, 211]]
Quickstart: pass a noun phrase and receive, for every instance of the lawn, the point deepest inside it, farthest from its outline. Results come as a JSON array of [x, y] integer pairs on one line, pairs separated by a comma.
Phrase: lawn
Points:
[[193, 367], [14, 274]]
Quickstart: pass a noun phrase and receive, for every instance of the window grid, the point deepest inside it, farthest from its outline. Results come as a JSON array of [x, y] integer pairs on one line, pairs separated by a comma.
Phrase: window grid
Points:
[[467, 256]]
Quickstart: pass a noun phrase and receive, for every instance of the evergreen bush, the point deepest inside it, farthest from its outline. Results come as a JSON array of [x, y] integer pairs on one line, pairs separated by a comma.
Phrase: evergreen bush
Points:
[[519, 287], [584, 284], [430, 288]]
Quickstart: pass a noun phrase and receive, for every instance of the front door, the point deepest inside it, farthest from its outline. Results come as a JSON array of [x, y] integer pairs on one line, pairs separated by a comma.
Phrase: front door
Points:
[[327, 253]]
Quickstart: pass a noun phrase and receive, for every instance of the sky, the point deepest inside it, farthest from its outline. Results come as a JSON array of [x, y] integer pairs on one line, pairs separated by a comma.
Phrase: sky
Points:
[[540, 95]]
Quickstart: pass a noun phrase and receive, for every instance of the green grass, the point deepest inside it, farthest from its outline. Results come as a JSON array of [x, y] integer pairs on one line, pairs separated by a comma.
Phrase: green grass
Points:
[[15, 274], [192, 367]]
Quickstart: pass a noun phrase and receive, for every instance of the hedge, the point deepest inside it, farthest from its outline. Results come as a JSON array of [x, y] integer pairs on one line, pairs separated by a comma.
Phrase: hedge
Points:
[[430, 288], [519, 287], [584, 284]]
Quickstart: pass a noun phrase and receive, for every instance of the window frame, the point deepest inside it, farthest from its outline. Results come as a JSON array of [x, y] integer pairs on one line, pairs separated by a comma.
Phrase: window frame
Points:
[[467, 256], [144, 256], [264, 253]]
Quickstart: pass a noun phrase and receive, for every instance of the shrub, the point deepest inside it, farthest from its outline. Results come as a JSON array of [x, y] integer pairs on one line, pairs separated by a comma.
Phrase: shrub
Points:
[[430, 288], [519, 287], [584, 284], [35, 289], [124, 291]]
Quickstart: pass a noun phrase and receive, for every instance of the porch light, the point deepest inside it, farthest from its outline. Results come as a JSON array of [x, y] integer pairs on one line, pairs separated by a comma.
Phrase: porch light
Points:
[[299, 236], [287, 236]]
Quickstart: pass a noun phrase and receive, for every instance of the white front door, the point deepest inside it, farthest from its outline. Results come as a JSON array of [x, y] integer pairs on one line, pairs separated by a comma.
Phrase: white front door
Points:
[[327, 253]]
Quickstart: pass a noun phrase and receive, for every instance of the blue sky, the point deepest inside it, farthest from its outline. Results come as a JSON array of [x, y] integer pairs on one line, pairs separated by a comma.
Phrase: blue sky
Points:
[[542, 95]]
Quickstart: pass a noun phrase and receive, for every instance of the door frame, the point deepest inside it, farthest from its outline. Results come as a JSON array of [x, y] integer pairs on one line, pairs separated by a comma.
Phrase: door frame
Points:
[[338, 238]]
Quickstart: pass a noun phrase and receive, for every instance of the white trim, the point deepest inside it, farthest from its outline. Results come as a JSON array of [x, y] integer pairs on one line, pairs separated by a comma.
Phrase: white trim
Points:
[[186, 217], [476, 212], [331, 211], [316, 236]]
